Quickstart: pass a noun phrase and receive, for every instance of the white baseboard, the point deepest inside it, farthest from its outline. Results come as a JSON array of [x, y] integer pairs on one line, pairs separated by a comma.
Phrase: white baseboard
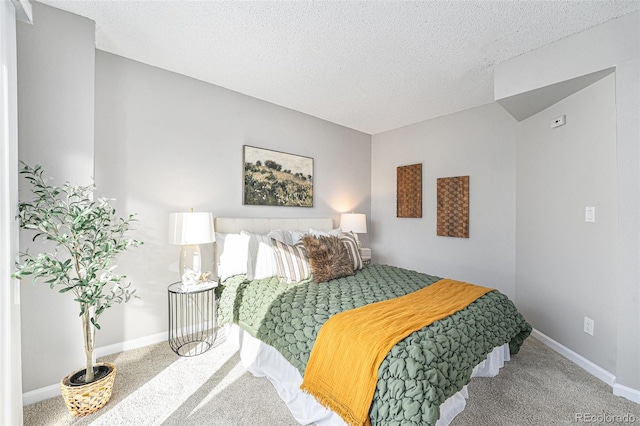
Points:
[[581, 361], [53, 391], [627, 392], [41, 394], [602, 374]]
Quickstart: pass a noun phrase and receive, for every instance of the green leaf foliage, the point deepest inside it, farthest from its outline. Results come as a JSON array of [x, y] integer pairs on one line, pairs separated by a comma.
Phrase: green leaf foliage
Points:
[[87, 236]]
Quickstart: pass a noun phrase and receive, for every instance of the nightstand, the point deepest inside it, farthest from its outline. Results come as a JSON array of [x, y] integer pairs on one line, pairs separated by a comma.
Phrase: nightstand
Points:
[[193, 320], [365, 254]]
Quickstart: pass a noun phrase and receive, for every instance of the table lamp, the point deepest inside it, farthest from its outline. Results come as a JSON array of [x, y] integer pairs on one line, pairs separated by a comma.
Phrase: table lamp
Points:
[[355, 223], [190, 229]]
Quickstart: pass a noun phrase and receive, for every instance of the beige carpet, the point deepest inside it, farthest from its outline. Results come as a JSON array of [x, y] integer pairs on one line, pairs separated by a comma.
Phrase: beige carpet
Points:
[[156, 387], [541, 387]]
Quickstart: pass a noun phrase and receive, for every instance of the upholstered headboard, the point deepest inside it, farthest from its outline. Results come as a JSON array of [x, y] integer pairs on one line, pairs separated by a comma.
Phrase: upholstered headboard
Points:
[[229, 225]]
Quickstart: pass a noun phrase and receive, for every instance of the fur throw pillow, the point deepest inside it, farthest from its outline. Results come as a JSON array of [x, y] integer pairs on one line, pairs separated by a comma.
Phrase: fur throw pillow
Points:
[[328, 257]]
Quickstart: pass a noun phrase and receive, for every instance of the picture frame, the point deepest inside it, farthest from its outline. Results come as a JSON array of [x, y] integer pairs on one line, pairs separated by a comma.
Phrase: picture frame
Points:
[[409, 191], [274, 178], [453, 207]]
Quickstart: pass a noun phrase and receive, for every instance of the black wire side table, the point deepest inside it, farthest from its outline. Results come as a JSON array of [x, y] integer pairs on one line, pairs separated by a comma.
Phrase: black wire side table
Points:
[[193, 318]]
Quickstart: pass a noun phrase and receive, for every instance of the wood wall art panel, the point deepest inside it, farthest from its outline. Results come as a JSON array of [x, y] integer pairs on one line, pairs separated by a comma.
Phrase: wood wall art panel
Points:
[[409, 191], [453, 207]]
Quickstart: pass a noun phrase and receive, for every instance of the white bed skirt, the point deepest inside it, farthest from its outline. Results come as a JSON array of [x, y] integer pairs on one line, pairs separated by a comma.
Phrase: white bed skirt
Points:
[[263, 360]]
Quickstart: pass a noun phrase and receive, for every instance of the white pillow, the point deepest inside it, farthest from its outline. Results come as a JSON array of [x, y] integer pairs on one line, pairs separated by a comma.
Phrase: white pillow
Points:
[[333, 233], [287, 237], [233, 251], [282, 236], [261, 261], [296, 236]]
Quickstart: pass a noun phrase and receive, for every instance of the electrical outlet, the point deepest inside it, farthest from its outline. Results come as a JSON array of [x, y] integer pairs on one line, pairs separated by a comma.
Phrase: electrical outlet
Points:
[[588, 325]]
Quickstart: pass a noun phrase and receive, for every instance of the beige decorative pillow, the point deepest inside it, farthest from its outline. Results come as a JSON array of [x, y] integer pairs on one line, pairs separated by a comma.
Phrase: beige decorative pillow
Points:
[[293, 264], [328, 257]]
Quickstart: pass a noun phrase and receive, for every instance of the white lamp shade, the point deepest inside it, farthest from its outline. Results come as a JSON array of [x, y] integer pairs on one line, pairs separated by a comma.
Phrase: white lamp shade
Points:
[[188, 228], [353, 222]]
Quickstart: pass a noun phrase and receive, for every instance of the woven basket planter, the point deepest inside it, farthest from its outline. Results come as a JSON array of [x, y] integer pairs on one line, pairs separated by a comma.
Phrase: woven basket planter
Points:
[[87, 399]]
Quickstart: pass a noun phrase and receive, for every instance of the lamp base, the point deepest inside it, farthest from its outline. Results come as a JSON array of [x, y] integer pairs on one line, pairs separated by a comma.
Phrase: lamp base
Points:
[[190, 263]]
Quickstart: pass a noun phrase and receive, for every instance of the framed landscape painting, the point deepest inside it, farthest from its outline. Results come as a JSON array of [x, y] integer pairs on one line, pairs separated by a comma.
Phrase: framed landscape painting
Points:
[[273, 178]]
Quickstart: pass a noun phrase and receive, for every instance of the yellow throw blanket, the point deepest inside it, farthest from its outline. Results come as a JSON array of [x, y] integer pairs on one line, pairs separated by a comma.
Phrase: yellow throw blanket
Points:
[[342, 371]]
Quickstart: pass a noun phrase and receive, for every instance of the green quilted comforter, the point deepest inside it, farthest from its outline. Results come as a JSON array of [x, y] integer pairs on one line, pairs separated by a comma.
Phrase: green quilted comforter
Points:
[[419, 373]]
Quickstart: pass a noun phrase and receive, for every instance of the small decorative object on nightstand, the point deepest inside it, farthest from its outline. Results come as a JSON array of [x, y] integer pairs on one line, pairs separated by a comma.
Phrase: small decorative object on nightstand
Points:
[[193, 317], [365, 254]]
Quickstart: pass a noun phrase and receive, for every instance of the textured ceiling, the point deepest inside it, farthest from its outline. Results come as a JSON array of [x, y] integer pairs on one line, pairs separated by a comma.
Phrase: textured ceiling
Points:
[[370, 66]]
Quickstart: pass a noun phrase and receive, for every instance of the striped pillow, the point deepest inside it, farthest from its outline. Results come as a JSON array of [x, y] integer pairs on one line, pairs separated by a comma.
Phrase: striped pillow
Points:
[[293, 263], [351, 245]]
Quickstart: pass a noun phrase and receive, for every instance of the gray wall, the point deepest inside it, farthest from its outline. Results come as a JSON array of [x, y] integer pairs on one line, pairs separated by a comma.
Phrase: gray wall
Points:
[[163, 143], [166, 142], [613, 44], [480, 143], [628, 285], [566, 269], [559, 268], [55, 128]]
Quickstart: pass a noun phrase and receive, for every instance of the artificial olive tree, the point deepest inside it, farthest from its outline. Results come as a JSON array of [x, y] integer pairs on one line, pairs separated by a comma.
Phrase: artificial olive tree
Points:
[[86, 236]]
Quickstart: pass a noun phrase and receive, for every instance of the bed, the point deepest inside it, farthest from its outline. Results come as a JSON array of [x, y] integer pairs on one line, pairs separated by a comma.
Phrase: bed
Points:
[[421, 381]]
